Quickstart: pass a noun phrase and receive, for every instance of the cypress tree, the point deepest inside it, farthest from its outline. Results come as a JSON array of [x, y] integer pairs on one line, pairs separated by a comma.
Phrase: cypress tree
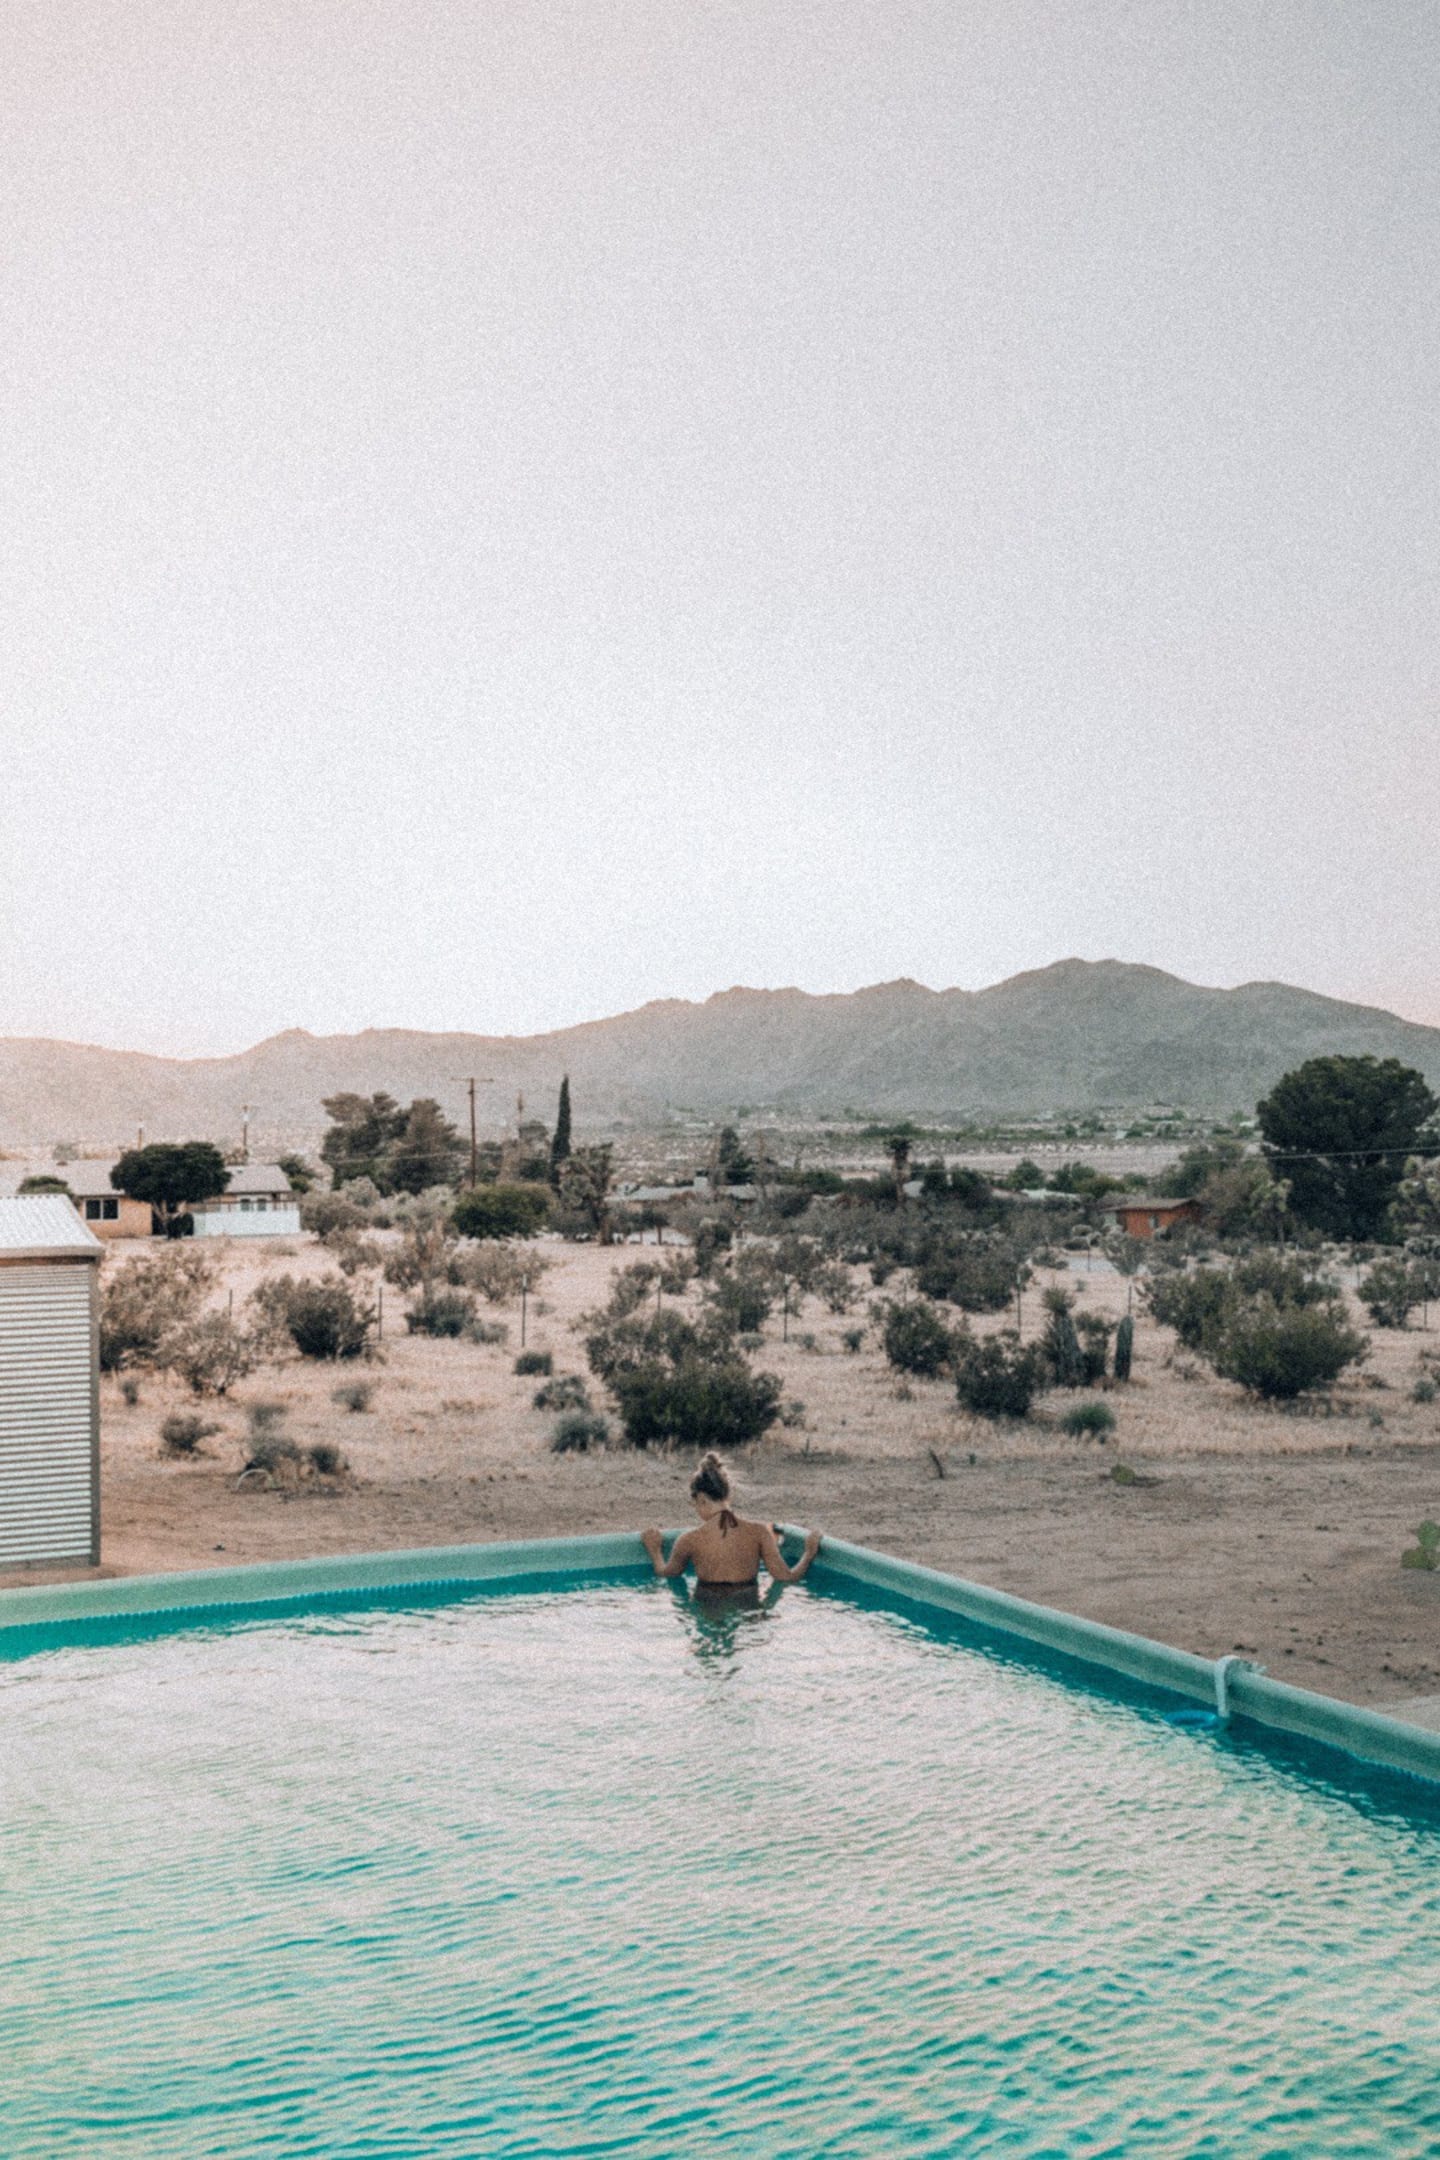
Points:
[[560, 1143], [1124, 1347]]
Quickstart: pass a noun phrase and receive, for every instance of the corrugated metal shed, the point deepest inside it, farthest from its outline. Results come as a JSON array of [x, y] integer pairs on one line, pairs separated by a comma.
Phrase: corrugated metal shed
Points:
[[49, 1384]]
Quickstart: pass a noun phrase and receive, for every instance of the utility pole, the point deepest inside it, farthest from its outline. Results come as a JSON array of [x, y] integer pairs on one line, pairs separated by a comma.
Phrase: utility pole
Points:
[[472, 1081], [245, 1110]]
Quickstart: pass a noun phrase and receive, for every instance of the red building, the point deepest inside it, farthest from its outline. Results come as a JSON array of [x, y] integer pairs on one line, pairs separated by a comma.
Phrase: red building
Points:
[[1143, 1214]]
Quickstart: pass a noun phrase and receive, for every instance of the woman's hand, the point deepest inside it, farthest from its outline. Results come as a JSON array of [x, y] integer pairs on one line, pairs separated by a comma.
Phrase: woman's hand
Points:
[[812, 1544], [654, 1544]]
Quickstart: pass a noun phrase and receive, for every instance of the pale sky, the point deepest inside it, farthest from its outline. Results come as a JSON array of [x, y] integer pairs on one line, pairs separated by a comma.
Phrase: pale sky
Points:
[[516, 509]]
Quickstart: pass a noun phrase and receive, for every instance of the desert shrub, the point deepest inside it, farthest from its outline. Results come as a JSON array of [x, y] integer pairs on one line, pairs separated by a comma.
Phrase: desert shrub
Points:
[[835, 1287], [1089, 1421], [209, 1353], [130, 1390], [713, 1236], [501, 1211], [535, 1361], [183, 1431], [326, 1458], [328, 1213], [630, 1288], [976, 1271], [579, 1431], [1281, 1351], [567, 1391], [1094, 1332], [499, 1271], [146, 1300], [268, 1445], [1124, 1348], [792, 1412], [916, 1339], [1281, 1276], [355, 1396], [698, 1403], [852, 1338], [1193, 1305], [998, 1376], [1424, 1390], [739, 1300], [322, 1319], [1391, 1291], [492, 1333], [441, 1312], [677, 1272], [351, 1252]]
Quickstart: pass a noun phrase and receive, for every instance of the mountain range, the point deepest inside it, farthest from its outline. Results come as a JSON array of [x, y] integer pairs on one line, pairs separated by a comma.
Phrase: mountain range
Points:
[[1075, 1036]]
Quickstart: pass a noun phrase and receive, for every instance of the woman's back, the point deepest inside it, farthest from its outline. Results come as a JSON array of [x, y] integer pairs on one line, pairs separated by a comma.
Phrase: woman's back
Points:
[[727, 1549]]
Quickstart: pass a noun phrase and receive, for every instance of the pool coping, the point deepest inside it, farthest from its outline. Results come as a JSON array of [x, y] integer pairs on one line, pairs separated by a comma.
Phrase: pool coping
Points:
[[1230, 1686]]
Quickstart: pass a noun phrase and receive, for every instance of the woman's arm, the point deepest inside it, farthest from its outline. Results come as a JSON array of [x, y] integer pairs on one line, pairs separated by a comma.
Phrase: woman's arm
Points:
[[679, 1552], [774, 1559]]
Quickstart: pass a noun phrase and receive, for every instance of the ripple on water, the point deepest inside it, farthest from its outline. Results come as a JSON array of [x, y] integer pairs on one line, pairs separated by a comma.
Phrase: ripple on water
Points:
[[602, 1872]]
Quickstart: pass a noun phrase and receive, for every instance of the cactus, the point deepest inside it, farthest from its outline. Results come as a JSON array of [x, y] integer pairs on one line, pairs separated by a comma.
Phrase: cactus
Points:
[[1124, 1347], [1425, 1552], [1062, 1350]]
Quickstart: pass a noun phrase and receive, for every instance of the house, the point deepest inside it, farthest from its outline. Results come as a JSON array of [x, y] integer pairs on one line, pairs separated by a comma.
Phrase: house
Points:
[[1143, 1215], [256, 1202], [49, 1384], [107, 1213]]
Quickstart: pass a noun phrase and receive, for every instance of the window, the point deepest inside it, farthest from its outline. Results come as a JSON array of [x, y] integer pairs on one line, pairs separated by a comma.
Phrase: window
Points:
[[110, 1210], [92, 1210]]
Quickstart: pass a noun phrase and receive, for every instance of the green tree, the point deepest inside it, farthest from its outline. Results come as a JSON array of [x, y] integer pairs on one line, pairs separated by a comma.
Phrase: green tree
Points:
[[732, 1166], [428, 1151], [171, 1178], [46, 1182], [1338, 1130], [500, 1211], [363, 1129], [560, 1138], [585, 1177]]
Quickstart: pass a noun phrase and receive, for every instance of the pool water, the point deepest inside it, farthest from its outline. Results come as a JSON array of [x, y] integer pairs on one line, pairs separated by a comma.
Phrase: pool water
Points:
[[605, 1871]]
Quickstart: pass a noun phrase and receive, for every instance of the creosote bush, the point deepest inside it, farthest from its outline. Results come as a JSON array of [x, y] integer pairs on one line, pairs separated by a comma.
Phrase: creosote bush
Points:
[[322, 1319], [1281, 1351], [326, 1459], [579, 1431], [696, 1404], [441, 1313], [916, 1339], [209, 1353], [146, 1299], [567, 1391], [998, 1376], [535, 1361], [1090, 1421], [501, 1211], [491, 1333], [356, 1396], [183, 1432]]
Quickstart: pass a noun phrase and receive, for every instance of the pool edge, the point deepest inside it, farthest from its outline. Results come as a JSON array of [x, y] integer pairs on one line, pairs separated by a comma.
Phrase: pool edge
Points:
[[1254, 1697]]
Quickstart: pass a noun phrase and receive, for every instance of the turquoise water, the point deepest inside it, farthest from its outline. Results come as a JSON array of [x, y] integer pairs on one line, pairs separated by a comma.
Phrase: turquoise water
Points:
[[605, 1873]]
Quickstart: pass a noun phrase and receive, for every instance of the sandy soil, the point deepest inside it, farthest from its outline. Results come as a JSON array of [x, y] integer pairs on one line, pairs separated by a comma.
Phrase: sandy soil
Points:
[[1251, 1529]]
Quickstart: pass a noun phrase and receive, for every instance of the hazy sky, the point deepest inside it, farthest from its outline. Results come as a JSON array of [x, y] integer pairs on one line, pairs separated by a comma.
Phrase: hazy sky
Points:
[[514, 509]]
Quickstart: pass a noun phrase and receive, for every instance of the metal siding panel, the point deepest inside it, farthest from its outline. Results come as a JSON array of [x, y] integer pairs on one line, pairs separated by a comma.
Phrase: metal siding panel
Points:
[[47, 1413]]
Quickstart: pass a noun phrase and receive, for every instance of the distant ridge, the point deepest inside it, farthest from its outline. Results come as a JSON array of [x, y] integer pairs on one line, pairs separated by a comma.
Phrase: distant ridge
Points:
[[1077, 1035]]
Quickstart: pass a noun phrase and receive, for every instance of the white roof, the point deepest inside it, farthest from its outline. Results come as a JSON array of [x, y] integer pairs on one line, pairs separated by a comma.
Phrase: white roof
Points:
[[257, 1177], [44, 1226], [87, 1179]]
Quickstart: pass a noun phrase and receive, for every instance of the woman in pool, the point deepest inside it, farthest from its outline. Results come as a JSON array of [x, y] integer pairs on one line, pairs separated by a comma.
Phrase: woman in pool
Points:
[[724, 1547]]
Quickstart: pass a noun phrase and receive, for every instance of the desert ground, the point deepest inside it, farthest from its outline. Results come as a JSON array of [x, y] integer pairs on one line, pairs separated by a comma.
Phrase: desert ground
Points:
[[1247, 1528]]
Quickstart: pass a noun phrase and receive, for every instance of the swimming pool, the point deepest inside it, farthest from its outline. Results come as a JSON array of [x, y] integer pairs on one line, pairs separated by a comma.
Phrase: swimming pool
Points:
[[601, 1870]]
